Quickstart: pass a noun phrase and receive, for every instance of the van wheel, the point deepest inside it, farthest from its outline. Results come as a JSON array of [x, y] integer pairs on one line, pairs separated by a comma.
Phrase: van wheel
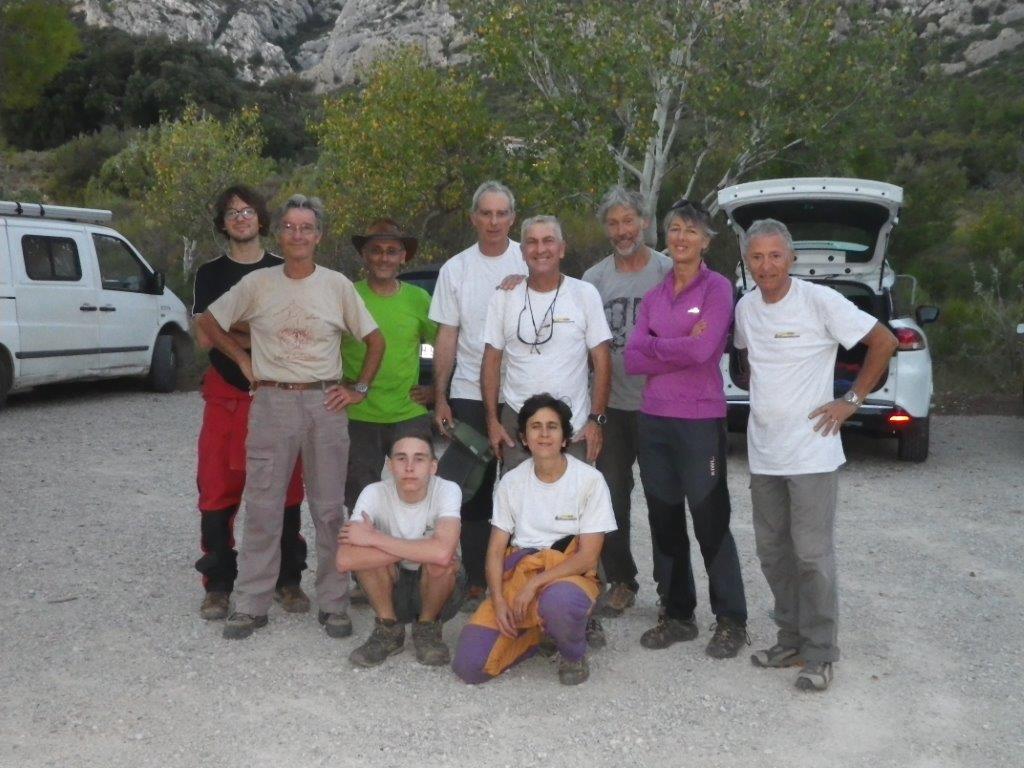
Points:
[[914, 441], [163, 371], [6, 378]]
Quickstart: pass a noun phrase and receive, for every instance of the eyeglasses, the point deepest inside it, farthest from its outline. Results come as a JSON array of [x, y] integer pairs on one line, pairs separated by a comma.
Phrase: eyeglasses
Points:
[[547, 322], [246, 213], [302, 229], [389, 252]]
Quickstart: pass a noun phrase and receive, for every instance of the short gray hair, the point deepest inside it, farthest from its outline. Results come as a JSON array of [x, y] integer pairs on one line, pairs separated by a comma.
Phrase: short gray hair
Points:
[[314, 204], [542, 219], [492, 186], [628, 198], [767, 228], [691, 211]]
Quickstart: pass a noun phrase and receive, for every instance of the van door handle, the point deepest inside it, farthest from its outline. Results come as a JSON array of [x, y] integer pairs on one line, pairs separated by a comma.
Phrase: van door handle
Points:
[[108, 308], [87, 308]]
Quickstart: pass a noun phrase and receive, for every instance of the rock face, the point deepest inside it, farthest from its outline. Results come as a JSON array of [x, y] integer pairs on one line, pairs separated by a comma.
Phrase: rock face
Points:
[[331, 41]]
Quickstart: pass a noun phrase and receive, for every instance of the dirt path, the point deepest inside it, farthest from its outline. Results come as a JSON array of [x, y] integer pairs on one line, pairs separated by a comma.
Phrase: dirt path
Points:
[[104, 661]]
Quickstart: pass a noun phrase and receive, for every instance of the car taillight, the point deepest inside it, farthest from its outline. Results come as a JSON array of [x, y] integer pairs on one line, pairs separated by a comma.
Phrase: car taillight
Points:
[[909, 339], [899, 418]]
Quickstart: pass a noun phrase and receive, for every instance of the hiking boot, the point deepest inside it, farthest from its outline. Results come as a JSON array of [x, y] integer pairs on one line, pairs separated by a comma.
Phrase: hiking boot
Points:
[[815, 676], [573, 672], [337, 625], [474, 596], [729, 636], [356, 595], [292, 598], [430, 648], [668, 631], [595, 634], [387, 639], [777, 657], [546, 647], [215, 606], [240, 625], [618, 597]]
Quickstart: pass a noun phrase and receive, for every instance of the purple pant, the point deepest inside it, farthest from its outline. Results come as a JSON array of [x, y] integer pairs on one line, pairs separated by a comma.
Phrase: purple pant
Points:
[[563, 607]]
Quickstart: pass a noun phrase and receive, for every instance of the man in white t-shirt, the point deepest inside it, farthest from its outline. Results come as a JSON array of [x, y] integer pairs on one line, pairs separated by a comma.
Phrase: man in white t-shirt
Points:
[[790, 330], [296, 314], [538, 338], [401, 542], [459, 307]]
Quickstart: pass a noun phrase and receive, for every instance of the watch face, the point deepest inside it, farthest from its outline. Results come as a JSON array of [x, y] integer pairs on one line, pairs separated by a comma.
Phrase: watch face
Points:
[[362, 389]]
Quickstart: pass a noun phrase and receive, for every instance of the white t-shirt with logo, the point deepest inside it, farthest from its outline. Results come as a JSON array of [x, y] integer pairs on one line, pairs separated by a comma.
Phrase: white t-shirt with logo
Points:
[[537, 514], [792, 346], [380, 504], [573, 325], [295, 325], [465, 285]]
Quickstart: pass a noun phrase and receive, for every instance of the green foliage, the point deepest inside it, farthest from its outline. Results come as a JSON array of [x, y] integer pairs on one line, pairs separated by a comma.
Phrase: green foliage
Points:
[[412, 144], [73, 165], [36, 40]]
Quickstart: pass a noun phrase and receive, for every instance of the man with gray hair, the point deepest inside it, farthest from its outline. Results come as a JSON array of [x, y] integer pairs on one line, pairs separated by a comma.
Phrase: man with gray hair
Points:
[[465, 285], [789, 331], [622, 278], [296, 314], [545, 329]]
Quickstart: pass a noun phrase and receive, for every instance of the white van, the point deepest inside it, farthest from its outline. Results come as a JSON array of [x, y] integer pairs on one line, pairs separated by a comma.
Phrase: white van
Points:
[[77, 301], [841, 231]]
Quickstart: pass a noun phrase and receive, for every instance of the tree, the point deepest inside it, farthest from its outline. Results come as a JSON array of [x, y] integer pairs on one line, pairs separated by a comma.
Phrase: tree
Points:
[[178, 168], [412, 144], [36, 40], [711, 89]]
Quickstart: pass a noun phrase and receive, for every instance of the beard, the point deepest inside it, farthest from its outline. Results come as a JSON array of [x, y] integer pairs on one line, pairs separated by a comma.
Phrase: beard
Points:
[[243, 240], [628, 248]]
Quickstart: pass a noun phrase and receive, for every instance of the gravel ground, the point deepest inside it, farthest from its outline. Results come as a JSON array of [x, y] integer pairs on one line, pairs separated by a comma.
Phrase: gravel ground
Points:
[[104, 660]]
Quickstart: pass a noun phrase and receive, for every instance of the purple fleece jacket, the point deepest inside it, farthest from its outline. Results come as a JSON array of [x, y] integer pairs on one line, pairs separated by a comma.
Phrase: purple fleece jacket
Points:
[[684, 380]]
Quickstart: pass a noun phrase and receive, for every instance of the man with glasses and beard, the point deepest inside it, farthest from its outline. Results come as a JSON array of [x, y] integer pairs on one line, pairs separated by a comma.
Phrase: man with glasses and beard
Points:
[[240, 215], [545, 329]]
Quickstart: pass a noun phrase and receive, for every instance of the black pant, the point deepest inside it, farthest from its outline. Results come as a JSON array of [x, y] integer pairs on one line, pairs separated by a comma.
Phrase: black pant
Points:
[[683, 460], [476, 512]]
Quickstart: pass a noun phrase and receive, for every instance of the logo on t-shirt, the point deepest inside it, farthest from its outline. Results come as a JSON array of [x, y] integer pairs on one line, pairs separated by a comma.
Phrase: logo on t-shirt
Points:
[[787, 335]]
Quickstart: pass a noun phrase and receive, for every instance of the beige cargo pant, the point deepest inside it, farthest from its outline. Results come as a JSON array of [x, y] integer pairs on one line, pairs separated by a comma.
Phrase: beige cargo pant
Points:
[[284, 424]]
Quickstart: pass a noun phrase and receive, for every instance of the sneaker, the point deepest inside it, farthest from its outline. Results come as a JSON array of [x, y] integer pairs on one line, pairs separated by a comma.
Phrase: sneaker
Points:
[[573, 672], [292, 598], [729, 636], [240, 625], [615, 600], [337, 625], [595, 634], [387, 639], [815, 676], [474, 596], [777, 657], [430, 648], [669, 631], [215, 606]]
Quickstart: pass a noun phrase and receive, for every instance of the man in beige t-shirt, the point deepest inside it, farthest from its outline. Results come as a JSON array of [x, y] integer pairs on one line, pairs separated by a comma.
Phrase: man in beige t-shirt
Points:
[[296, 315]]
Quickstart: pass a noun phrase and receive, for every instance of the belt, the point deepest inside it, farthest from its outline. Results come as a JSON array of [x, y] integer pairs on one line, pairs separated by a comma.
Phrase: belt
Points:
[[295, 385]]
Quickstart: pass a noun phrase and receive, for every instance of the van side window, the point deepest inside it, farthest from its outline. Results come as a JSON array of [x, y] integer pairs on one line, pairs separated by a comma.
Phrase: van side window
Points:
[[119, 269], [51, 258]]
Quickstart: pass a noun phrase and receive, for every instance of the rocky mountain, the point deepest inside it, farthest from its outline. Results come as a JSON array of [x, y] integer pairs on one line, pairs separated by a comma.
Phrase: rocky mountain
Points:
[[329, 41]]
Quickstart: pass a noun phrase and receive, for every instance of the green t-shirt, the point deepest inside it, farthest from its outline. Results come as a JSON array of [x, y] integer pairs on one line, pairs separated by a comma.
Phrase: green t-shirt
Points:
[[402, 318]]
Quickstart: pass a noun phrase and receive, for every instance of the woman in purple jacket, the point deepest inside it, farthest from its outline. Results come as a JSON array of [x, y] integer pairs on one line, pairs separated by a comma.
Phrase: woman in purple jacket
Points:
[[679, 338]]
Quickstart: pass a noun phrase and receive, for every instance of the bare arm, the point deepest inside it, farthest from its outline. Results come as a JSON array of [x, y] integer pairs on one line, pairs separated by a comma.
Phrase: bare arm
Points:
[[601, 361], [439, 549], [494, 568], [444, 364], [225, 342], [490, 380], [881, 344], [339, 397], [583, 560]]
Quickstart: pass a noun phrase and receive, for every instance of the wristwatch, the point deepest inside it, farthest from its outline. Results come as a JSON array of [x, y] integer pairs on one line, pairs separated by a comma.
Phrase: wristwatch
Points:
[[852, 398], [598, 418], [361, 388]]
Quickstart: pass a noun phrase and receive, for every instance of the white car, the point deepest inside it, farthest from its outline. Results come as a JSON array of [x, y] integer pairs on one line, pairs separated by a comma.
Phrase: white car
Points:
[[841, 230], [77, 301]]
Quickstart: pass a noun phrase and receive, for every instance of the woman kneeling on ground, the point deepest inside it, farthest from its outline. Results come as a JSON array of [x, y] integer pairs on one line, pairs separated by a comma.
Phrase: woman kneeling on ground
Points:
[[550, 517]]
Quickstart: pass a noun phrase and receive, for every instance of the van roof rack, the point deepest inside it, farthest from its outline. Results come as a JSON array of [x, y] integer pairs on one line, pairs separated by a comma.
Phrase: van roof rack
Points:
[[57, 212]]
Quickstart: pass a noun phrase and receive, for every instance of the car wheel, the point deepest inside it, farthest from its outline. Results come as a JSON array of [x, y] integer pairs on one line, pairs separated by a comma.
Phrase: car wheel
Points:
[[914, 441], [6, 378], [163, 371]]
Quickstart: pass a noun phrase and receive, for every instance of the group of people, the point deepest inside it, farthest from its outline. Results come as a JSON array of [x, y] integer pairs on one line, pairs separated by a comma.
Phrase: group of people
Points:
[[313, 388]]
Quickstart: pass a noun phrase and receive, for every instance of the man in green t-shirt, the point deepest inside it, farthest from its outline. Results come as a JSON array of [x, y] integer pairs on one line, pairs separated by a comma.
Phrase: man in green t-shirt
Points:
[[395, 405]]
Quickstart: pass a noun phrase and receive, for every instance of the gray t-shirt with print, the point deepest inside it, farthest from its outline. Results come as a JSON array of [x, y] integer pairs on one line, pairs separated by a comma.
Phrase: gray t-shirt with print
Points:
[[621, 293]]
